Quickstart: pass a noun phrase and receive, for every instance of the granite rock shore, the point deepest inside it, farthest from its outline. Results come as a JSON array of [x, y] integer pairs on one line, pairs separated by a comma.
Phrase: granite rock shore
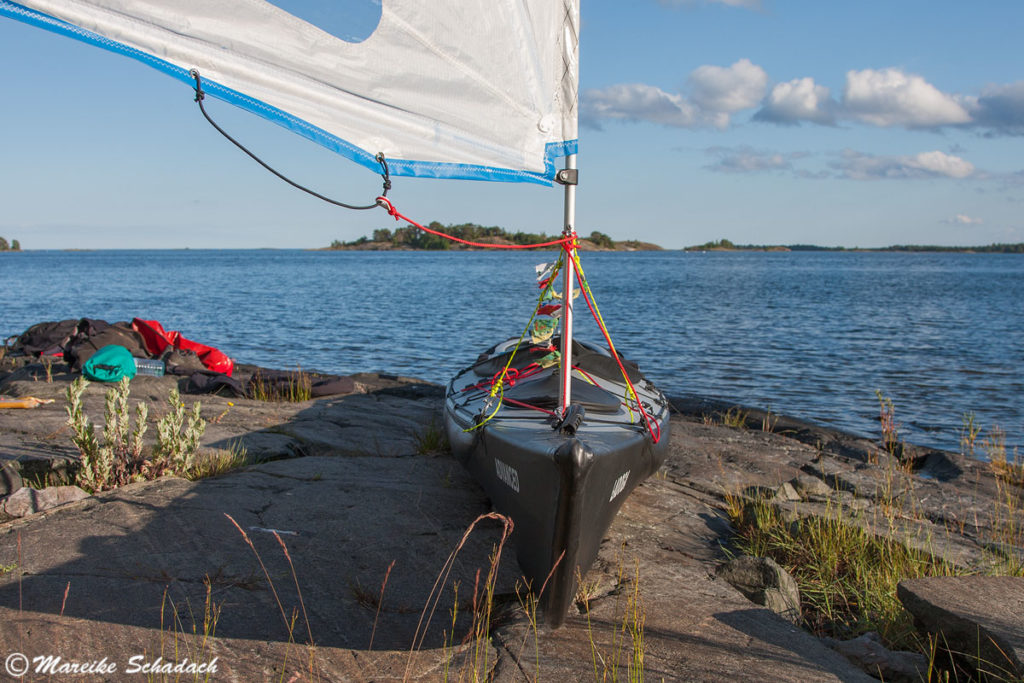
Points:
[[336, 532]]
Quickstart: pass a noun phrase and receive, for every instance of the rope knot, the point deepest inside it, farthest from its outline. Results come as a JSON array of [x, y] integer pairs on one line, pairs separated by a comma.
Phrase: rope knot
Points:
[[502, 376], [200, 95], [386, 203]]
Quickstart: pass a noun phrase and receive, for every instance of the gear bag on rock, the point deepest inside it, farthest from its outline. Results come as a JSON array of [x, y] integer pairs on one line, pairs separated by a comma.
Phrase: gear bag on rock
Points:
[[110, 364]]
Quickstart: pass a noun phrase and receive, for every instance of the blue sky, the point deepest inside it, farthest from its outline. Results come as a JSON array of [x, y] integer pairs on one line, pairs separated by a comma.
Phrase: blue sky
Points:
[[771, 122]]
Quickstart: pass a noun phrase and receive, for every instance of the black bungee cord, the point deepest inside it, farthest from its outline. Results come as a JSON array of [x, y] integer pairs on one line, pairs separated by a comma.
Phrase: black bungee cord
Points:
[[200, 96]]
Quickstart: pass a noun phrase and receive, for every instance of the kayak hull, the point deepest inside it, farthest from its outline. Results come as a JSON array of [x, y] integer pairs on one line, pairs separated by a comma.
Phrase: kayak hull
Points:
[[561, 487]]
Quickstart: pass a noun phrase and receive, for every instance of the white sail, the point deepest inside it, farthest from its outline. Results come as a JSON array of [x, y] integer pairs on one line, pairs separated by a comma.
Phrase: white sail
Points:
[[477, 89]]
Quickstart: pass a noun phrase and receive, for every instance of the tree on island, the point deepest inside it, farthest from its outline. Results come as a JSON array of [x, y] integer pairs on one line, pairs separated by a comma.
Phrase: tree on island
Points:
[[15, 245], [601, 240], [720, 244], [411, 237]]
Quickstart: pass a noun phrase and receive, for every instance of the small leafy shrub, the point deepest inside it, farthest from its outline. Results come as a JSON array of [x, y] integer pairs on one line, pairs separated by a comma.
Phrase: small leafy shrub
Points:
[[177, 440], [117, 459], [120, 458]]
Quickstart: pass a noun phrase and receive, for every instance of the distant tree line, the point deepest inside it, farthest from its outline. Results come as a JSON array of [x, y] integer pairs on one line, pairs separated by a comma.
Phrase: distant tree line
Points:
[[411, 237], [813, 247], [989, 249], [13, 246], [727, 245]]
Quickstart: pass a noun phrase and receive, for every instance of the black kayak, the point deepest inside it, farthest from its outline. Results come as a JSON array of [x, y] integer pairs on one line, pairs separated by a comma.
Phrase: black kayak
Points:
[[561, 480]]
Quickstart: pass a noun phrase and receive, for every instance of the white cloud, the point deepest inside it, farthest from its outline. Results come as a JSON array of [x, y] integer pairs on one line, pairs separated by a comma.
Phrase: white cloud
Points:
[[800, 99], [1000, 108], [935, 164], [727, 89], [884, 98], [851, 165], [749, 4], [891, 97], [941, 164], [748, 160], [963, 219], [638, 102], [718, 92]]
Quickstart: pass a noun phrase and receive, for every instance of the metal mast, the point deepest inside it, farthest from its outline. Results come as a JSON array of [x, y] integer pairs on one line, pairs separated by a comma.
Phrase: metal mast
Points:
[[568, 177]]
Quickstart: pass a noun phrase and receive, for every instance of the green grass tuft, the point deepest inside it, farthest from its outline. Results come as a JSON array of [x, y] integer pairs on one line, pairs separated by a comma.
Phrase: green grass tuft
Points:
[[296, 388], [735, 418], [213, 463], [847, 576], [432, 440]]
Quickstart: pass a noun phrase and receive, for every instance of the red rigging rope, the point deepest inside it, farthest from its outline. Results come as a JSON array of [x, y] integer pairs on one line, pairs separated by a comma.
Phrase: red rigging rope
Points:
[[652, 427], [386, 203], [508, 377], [520, 404], [566, 243]]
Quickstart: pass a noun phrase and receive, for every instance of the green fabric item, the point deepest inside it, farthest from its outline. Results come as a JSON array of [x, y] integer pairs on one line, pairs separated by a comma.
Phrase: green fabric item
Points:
[[110, 364]]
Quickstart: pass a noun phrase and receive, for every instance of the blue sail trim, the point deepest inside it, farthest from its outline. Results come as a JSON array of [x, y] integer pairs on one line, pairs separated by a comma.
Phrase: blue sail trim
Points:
[[397, 167]]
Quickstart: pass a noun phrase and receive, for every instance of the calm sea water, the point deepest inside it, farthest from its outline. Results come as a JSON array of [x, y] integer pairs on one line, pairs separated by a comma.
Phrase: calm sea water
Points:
[[812, 335]]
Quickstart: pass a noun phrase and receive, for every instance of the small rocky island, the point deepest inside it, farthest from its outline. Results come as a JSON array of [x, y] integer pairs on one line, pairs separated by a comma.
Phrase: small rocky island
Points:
[[410, 238], [343, 542]]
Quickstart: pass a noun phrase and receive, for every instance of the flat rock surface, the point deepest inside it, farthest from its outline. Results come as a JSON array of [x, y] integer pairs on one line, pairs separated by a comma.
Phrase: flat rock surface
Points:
[[977, 614], [148, 569]]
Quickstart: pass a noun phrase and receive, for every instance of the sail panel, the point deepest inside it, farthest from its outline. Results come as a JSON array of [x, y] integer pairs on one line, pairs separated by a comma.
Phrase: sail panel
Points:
[[483, 91]]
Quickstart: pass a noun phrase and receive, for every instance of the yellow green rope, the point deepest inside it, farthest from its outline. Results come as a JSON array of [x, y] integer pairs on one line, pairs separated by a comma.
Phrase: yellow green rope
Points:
[[498, 387], [593, 302]]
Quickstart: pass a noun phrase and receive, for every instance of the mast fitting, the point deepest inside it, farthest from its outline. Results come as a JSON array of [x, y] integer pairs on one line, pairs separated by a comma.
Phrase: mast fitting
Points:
[[567, 176]]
